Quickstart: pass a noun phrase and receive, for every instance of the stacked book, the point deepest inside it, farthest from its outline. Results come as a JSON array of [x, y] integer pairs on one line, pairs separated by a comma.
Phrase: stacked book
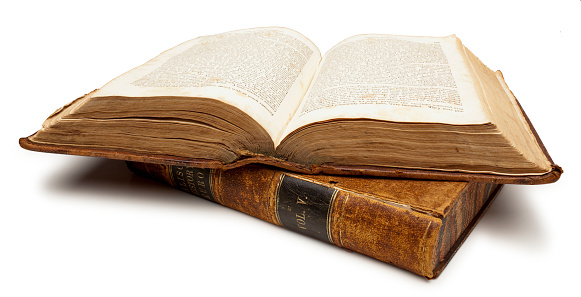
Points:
[[390, 146]]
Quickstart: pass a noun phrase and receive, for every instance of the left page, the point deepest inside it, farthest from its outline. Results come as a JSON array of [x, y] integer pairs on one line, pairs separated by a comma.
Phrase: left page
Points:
[[263, 71]]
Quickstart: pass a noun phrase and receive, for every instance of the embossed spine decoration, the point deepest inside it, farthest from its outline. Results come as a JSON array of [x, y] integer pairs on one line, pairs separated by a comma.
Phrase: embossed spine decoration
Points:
[[415, 225]]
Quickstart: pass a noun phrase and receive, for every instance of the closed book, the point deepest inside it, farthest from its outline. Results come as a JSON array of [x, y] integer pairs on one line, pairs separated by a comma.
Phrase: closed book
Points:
[[417, 225]]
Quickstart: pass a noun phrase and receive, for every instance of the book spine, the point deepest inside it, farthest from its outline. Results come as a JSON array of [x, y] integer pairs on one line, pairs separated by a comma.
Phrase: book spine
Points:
[[397, 234]]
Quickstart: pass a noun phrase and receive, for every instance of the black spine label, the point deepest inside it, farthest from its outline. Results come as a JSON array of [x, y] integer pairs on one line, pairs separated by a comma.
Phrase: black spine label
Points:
[[196, 181], [305, 207]]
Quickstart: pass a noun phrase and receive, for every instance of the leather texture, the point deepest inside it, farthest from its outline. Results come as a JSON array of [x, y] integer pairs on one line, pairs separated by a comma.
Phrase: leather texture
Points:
[[416, 225]]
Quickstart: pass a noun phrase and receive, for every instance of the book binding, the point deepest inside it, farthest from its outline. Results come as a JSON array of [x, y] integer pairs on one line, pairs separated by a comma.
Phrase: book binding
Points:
[[414, 225], [375, 171]]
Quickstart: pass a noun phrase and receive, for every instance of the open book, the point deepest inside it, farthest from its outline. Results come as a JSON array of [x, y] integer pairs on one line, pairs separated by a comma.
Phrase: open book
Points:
[[373, 104]]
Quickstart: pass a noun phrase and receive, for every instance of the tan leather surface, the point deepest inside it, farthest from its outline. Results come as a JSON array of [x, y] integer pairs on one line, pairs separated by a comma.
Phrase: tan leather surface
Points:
[[415, 225]]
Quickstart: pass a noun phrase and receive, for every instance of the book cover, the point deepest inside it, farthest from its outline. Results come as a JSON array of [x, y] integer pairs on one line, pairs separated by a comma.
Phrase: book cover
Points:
[[412, 224]]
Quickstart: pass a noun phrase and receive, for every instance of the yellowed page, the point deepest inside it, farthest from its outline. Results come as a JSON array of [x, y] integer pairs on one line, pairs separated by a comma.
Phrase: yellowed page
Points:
[[392, 78], [504, 109], [264, 72]]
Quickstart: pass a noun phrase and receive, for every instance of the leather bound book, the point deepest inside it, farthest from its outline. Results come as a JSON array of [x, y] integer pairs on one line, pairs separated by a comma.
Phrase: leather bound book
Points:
[[373, 105], [416, 225]]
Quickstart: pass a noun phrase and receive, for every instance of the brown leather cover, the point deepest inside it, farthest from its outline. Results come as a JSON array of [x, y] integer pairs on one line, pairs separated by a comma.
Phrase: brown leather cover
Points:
[[377, 171], [416, 225]]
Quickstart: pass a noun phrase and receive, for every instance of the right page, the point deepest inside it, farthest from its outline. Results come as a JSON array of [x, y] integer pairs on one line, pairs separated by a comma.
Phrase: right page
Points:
[[393, 78]]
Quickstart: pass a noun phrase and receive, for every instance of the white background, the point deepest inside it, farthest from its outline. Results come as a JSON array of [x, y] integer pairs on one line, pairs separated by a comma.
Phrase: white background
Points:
[[77, 226]]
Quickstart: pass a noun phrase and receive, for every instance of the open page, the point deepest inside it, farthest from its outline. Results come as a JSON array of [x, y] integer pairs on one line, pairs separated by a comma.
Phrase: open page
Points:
[[392, 78], [264, 72]]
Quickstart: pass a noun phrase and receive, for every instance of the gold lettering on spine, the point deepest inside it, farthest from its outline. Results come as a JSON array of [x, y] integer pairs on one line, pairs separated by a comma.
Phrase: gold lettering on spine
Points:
[[302, 216], [190, 180], [301, 220], [179, 178], [193, 181], [305, 206], [202, 185]]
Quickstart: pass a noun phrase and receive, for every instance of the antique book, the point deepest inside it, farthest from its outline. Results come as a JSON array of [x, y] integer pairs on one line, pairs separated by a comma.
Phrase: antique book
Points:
[[417, 225], [383, 105]]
